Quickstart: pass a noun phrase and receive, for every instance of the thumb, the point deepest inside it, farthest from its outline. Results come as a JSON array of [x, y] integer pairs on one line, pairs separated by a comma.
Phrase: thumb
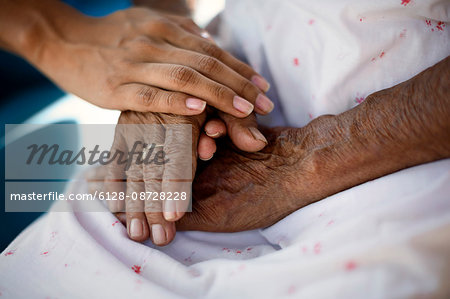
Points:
[[244, 132]]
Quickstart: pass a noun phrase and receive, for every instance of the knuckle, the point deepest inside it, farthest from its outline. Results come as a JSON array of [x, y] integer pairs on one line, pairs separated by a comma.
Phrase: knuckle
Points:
[[220, 93], [158, 25], [243, 69], [133, 206], [209, 64], [140, 41], [143, 45], [245, 87], [182, 76], [170, 99], [147, 96], [134, 177], [212, 50], [188, 22], [151, 208], [111, 83]]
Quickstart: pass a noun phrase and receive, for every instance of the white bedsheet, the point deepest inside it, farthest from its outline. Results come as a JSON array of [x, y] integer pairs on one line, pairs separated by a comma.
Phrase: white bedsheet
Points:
[[375, 240]]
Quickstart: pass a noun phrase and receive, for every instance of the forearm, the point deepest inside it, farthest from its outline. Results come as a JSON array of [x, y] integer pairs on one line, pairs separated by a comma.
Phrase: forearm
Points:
[[393, 129], [27, 26]]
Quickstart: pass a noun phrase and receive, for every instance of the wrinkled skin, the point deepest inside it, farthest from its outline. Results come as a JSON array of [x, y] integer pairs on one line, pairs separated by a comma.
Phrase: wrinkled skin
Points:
[[391, 130], [148, 213], [234, 187], [139, 180], [241, 191], [196, 121]]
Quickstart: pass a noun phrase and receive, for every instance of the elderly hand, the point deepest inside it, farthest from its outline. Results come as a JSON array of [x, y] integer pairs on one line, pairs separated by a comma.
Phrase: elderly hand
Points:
[[147, 217], [392, 129], [149, 185], [240, 191]]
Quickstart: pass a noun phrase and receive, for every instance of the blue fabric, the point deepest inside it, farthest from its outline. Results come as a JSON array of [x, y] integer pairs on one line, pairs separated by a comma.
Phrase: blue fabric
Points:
[[98, 8]]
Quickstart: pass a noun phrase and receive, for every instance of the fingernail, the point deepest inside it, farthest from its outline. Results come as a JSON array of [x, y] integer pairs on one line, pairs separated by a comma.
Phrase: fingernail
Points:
[[261, 83], [170, 216], [257, 134], [212, 135], [263, 103], [169, 210], [207, 158], [158, 234], [242, 105], [136, 228], [195, 104]]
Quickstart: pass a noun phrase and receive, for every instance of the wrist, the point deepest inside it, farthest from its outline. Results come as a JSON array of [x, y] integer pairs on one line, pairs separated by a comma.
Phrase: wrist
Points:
[[357, 146], [330, 153], [36, 26], [393, 129]]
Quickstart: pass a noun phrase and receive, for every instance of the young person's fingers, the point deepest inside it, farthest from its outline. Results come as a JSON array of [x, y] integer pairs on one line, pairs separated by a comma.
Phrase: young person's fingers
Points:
[[181, 38], [219, 72], [145, 98], [193, 42], [187, 80], [189, 25]]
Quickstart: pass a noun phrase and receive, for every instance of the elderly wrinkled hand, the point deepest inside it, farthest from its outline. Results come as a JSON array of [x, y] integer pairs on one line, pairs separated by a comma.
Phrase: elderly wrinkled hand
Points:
[[166, 133], [392, 129], [239, 191], [162, 157]]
